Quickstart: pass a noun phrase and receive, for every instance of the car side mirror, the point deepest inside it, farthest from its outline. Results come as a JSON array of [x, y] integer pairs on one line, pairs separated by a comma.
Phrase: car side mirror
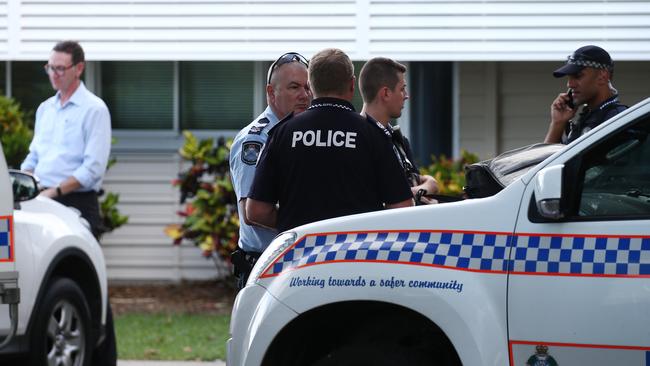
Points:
[[25, 186], [548, 192]]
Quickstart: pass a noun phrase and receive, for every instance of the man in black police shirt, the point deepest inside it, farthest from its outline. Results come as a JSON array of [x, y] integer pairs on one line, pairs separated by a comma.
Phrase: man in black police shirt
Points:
[[589, 70], [328, 161], [383, 88]]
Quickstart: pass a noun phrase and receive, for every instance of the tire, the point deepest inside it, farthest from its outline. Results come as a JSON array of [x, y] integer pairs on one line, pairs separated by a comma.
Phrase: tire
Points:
[[62, 331], [371, 355]]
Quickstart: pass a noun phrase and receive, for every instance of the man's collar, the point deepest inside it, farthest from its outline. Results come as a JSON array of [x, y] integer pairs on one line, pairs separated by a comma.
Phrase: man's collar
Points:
[[76, 97], [331, 102], [387, 130], [384, 124], [268, 113], [606, 102], [273, 119]]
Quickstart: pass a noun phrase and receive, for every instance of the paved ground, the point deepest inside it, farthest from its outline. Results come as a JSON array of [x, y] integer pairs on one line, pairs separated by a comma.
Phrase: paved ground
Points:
[[169, 363]]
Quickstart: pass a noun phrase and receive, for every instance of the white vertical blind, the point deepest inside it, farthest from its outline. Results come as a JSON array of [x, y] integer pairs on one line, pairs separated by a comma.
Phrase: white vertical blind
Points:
[[506, 29], [453, 30], [187, 30]]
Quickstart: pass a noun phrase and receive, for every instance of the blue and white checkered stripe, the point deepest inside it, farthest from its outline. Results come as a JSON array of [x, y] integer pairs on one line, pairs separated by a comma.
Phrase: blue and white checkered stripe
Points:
[[5, 239], [486, 252], [448, 249], [582, 255]]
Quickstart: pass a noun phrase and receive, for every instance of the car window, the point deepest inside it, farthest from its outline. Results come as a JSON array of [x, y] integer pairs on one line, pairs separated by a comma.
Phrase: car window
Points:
[[615, 175]]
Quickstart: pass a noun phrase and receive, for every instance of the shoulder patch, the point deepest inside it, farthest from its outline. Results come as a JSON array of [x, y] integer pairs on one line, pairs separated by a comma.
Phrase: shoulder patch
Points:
[[250, 151], [257, 128]]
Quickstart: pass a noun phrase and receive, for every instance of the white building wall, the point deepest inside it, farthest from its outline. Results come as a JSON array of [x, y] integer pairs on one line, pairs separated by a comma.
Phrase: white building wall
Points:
[[140, 250], [475, 130], [185, 30], [497, 30], [452, 30]]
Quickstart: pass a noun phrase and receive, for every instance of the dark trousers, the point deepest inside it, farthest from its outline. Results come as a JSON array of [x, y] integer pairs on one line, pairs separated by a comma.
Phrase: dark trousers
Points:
[[88, 204]]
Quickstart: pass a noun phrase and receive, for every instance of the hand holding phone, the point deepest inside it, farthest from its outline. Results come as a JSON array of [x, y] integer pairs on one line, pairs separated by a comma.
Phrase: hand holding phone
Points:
[[569, 102]]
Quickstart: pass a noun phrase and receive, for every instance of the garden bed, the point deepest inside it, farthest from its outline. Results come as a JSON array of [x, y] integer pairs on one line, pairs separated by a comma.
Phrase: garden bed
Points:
[[189, 297]]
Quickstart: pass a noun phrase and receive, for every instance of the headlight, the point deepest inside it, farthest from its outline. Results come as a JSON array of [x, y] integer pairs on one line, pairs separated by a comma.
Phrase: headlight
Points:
[[275, 249]]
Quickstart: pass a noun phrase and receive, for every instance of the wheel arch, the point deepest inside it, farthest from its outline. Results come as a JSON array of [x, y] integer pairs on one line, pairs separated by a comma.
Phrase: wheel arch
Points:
[[73, 263], [353, 322]]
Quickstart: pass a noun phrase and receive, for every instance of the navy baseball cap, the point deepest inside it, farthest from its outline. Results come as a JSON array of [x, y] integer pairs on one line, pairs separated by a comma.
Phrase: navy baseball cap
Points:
[[587, 56]]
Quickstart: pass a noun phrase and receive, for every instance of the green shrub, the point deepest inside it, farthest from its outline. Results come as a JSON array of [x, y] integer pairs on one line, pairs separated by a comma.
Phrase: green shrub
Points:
[[450, 173], [111, 217], [15, 133], [210, 211]]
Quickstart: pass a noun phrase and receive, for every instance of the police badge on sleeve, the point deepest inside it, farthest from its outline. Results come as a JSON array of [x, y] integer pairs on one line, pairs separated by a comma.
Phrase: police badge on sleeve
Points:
[[250, 151], [541, 357]]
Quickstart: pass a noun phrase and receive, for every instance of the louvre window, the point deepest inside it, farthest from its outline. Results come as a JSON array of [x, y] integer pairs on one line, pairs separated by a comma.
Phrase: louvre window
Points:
[[139, 94], [216, 95]]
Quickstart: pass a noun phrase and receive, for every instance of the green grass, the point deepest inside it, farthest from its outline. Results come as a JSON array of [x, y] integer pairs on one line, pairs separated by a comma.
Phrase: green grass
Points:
[[171, 337]]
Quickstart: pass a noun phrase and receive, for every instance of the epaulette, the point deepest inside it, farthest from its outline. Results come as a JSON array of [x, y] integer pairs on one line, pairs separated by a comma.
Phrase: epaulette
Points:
[[257, 128], [286, 118]]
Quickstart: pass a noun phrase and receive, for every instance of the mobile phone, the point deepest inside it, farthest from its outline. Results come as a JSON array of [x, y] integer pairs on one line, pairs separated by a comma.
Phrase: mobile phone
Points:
[[570, 101]]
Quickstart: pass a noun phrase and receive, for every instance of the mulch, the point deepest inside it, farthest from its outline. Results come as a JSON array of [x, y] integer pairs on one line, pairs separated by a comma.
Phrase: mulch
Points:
[[189, 297]]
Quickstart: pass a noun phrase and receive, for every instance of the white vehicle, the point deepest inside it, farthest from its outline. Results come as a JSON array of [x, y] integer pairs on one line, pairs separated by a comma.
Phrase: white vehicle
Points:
[[61, 277], [552, 270]]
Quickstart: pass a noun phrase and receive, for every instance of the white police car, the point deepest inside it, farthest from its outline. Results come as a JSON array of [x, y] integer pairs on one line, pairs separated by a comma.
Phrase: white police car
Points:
[[552, 270], [48, 253]]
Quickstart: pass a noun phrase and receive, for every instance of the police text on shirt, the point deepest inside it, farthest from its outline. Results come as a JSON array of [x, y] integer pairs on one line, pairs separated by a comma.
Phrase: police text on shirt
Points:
[[327, 138]]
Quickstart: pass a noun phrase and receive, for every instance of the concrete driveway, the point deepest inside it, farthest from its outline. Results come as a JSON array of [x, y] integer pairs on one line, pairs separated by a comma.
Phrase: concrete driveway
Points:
[[169, 363]]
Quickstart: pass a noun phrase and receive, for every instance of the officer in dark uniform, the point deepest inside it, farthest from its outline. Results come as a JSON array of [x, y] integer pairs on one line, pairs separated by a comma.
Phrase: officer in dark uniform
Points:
[[589, 70], [287, 91], [328, 161], [383, 89]]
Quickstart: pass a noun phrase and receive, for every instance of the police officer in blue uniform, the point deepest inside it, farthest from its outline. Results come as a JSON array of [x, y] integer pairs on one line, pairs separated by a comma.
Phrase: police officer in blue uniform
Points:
[[589, 71], [287, 92], [328, 161]]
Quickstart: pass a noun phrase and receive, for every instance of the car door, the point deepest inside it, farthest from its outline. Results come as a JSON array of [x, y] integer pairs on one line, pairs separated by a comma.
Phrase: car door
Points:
[[579, 287]]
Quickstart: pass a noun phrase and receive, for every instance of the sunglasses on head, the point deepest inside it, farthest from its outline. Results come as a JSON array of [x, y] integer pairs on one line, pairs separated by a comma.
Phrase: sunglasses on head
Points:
[[287, 58]]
